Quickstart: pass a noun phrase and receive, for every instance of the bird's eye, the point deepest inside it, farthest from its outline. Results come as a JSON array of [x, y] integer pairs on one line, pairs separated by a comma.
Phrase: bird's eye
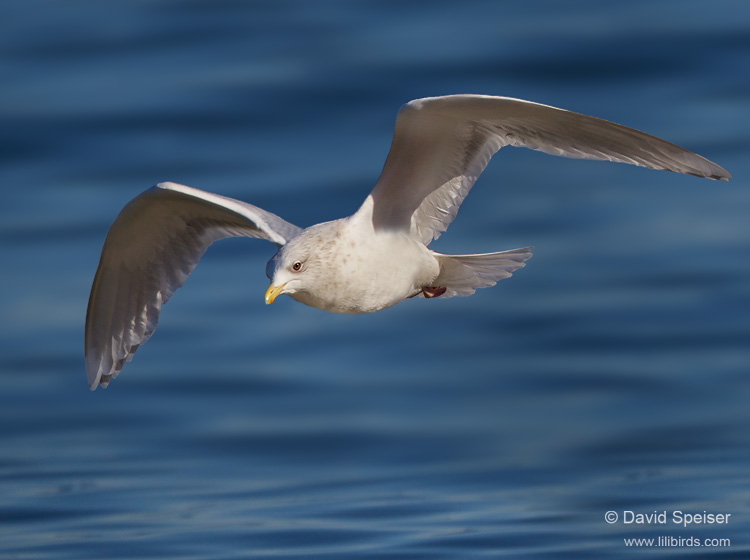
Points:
[[297, 266]]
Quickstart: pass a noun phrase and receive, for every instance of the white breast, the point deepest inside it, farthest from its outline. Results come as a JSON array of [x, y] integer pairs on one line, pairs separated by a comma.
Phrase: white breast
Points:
[[367, 271]]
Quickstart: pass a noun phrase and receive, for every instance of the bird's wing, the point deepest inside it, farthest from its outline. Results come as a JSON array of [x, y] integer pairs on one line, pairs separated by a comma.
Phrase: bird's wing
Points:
[[150, 249], [442, 144]]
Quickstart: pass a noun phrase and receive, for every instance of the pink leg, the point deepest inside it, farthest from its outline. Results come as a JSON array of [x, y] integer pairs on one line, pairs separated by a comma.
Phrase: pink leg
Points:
[[433, 291]]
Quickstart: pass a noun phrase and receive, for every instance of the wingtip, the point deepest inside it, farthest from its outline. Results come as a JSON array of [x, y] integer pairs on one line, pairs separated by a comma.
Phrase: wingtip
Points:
[[718, 173], [724, 176], [94, 381], [103, 383], [93, 372]]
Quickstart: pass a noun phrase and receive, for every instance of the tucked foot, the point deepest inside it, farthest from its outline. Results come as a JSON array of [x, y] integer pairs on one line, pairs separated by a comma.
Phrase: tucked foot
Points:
[[433, 291]]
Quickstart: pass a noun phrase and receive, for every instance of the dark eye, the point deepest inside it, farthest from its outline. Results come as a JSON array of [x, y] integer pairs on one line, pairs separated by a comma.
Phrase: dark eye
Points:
[[297, 266]]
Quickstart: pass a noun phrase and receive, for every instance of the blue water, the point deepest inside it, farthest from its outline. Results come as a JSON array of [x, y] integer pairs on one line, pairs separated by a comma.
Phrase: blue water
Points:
[[611, 374]]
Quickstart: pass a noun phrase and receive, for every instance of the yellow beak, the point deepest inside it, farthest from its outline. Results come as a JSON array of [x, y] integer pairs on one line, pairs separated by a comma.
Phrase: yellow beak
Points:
[[272, 292]]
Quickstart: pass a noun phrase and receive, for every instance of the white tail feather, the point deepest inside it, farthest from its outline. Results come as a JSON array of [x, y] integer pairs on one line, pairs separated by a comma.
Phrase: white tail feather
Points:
[[462, 275]]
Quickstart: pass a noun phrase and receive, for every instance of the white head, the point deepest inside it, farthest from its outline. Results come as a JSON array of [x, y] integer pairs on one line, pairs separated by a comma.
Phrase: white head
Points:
[[302, 267]]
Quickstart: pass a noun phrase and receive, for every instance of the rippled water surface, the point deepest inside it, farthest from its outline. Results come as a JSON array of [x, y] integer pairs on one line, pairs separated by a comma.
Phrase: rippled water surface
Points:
[[610, 374]]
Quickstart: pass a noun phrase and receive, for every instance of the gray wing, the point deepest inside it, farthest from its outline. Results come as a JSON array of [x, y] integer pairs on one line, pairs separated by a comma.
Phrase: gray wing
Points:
[[442, 144], [153, 245]]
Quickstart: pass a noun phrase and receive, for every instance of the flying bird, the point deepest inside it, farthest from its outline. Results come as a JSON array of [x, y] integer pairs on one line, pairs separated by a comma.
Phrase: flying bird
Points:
[[370, 260]]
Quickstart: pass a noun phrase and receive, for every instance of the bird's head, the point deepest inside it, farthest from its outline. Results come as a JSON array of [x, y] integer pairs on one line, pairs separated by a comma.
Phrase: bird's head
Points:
[[298, 268], [287, 271]]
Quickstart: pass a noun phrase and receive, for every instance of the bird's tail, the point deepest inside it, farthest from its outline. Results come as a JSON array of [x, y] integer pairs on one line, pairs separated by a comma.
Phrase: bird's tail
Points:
[[462, 275]]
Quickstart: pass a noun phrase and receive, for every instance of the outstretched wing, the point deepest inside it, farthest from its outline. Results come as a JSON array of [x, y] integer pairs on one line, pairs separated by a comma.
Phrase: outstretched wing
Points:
[[442, 144], [153, 245]]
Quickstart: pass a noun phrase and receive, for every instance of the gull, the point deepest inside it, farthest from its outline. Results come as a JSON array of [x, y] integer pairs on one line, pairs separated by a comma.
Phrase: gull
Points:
[[370, 260]]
